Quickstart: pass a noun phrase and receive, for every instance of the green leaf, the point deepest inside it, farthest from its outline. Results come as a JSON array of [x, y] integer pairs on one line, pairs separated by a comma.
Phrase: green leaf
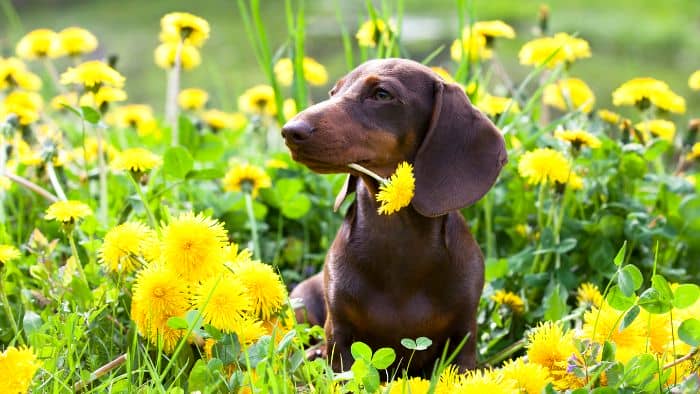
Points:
[[566, 245], [287, 188], [227, 349], [205, 174], [177, 323], [423, 343], [686, 295], [659, 283], [90, 115], [618, 300], [31, 322], [608, 351], [371, 380], [555, 305], [361, 351], [495, 269], [360, 368], [286, 340], [199, 376], [383, 358], [630, 280], [72, 109], [652, 302], [629, 317], [409, 343], [620, 256], [187, 132], [296, 207], [689, 332], [177, 162]]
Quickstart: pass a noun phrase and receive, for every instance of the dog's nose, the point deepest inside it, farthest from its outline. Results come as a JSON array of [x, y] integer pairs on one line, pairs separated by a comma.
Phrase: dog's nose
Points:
[[297, 130]]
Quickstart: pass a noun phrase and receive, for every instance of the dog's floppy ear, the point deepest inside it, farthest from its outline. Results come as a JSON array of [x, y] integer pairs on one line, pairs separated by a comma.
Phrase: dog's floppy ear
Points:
[[460, 156], [348, 188]]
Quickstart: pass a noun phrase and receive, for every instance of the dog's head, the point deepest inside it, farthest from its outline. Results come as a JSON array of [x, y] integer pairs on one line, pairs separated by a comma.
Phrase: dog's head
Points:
[[388, 111]]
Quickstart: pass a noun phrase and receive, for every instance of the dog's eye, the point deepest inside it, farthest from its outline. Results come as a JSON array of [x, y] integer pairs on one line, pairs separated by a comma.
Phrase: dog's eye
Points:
[[382, 95]]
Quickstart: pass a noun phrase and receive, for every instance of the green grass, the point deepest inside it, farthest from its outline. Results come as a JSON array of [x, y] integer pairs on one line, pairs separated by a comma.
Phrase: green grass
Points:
[[628, 39]]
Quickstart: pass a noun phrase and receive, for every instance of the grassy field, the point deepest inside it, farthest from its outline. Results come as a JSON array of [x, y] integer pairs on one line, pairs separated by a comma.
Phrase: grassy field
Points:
[[628, 38]]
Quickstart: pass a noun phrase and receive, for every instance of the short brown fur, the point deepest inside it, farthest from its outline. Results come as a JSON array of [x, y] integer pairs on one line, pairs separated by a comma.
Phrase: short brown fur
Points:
[[417, 272]]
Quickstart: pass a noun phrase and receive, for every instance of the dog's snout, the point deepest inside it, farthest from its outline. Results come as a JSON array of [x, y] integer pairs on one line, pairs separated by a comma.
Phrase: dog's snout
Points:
[[297, 130]]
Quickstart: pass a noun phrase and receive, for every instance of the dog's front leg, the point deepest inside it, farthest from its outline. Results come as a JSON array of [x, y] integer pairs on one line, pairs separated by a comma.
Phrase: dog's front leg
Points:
[[338, 342]]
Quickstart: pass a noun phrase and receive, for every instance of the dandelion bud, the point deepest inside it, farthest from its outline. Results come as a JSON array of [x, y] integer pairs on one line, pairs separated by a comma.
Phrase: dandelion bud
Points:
[[543, 19], [693, 127]]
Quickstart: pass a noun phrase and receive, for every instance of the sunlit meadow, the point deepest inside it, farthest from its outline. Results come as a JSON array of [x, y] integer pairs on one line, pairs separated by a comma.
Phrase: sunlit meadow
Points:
[[143, 251]]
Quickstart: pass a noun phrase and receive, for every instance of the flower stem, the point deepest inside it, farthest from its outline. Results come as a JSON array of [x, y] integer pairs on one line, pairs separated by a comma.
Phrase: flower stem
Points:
[[253, 225], [27, 184], [51, 172], [488, 223], [171, 112], [365, 171], [8, 310], [76, 256], [144, 201]]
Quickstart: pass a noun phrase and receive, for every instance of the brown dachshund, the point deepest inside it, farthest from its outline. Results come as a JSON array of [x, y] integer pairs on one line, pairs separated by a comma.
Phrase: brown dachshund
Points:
[[417, 272]]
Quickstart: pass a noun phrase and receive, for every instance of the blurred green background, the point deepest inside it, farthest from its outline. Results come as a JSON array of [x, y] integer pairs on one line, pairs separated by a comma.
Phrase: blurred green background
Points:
[[629, 38]]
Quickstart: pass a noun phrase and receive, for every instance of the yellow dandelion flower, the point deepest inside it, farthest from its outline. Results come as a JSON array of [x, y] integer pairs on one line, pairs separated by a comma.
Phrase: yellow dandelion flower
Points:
[[629, 342], [609, 116], [589, 295], [192, 98], [75, 41], [68, 211], [62, 100], [26, 105], [544, 165], [314, 72], [223, 301], [135, 160], [444, 74], [548, 344], [289, 108], [103, 95], [137, 116], [87, 153], [694, 152], [509, 299], [246, 177], [569, 94], [177, 26], [249, 330], [449, 379], [530, 377], [158, 295], [373, 31], [472, 44], [276, 163], [642, 92], [8, 253], [165, 53], [578, 138], [14, 73], [151, 247], [661, 128], [233, 256], [694, 80], [259, 99], [264, 286], [408, 385], [657, 329], [494, 105], [193, 246], [123, 247], [219, 120], [554, 50], [397, 191], [93, 74], [493, 29], [17, 369], [486, 382], [36, 44], [551, 347]]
